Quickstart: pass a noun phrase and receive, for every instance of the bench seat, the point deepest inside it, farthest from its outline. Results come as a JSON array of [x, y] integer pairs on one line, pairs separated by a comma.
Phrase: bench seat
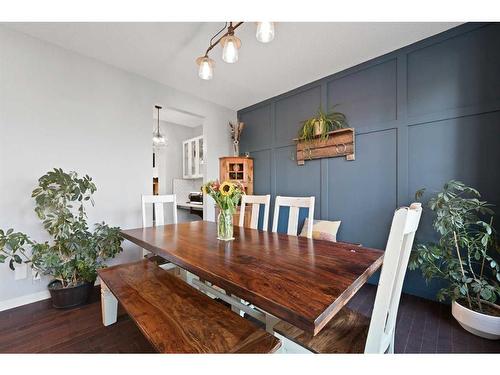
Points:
[[345, 333], [175, 317]]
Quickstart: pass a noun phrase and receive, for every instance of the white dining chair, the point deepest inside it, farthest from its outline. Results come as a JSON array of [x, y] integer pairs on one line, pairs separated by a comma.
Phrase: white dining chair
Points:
[[255, 201], [352, 332], [405, 222], [158, 202], [295, 203]]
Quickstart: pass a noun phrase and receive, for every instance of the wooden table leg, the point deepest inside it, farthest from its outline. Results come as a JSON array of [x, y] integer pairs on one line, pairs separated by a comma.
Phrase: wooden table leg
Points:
[[109, 305]]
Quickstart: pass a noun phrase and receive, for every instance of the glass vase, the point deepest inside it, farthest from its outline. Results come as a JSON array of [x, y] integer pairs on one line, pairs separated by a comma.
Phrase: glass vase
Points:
[[225, 225]]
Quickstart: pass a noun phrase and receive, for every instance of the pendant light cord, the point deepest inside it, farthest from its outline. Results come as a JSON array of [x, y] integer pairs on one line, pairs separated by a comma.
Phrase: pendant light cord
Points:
[[158, 127]]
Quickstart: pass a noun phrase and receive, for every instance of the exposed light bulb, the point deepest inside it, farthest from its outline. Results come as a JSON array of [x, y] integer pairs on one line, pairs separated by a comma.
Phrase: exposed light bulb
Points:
[[265, 32], [159, 140], [230, 52], [206, 67], [231, 44]]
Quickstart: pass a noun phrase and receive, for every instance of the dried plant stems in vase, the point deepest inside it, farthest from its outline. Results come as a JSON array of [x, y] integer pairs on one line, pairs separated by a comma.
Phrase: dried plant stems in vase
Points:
[[227, 196], [235, 136]]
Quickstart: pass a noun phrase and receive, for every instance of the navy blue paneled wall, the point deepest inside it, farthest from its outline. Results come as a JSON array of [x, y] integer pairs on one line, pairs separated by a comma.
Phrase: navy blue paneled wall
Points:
[[423, 114]]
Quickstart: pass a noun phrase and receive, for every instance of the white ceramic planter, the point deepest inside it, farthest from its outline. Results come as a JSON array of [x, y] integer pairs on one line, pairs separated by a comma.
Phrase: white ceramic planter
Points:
[[482, 325]]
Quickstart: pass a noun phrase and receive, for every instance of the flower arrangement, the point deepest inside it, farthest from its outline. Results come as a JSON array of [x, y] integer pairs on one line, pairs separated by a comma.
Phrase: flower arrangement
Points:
[[227, 196]]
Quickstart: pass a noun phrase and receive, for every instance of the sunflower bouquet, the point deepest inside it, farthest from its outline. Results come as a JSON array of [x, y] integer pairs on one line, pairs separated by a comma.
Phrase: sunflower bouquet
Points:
[[227, 196]]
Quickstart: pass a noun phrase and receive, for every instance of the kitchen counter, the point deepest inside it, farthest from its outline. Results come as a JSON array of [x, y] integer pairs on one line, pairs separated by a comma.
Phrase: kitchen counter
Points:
[[188, 205]]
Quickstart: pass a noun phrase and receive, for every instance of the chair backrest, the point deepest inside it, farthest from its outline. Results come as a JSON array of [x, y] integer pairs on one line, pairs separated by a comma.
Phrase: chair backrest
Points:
[[158, 202], [255, 201], [380, 337], [295, 203]]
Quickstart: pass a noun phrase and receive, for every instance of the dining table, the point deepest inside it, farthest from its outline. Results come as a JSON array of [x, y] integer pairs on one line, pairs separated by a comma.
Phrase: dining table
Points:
[[300, 280]]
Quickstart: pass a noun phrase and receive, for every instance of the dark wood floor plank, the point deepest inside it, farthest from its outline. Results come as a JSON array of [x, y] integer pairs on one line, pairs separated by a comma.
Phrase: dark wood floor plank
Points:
[[403, 324], [430, 330], [415, 334], [444, 332]]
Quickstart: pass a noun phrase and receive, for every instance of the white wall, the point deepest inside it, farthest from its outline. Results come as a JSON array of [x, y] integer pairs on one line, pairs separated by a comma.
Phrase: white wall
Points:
[[61, 109]]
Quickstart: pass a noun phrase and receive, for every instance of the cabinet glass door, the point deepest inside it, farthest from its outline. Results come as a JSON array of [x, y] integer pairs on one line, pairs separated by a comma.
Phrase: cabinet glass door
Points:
[[194, 156], [200, 156], [185, 159]]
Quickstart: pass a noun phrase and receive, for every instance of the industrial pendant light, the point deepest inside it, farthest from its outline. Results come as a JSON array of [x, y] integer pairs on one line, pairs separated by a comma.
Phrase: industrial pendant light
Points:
[[230, 46], [205, 67], [265, 32], [158, 139]]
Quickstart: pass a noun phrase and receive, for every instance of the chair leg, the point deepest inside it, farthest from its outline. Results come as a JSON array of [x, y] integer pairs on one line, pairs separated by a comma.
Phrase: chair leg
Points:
[[390, 350], [109, 305]]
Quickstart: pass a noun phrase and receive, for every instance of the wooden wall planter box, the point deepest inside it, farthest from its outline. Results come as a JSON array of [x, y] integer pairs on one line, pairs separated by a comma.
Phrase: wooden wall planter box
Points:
[[339, 143]]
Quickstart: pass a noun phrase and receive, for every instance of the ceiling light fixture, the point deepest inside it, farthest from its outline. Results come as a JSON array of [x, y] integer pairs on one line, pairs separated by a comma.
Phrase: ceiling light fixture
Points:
[[158, 139], [230, 46], [206, 67], [265, 32]]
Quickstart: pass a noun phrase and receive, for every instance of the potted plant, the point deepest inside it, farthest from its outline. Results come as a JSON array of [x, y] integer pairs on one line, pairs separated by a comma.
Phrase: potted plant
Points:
[[227, 196], [72, 258], [466, 256], [321, 124]]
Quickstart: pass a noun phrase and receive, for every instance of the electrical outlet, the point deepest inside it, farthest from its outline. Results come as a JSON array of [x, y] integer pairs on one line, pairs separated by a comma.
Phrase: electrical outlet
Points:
[[21, 271], [35, 274]]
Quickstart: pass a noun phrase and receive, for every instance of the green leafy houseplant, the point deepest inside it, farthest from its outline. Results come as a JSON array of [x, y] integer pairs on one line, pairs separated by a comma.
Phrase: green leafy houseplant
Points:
[[75, 253], [321, 124], [466, 254]]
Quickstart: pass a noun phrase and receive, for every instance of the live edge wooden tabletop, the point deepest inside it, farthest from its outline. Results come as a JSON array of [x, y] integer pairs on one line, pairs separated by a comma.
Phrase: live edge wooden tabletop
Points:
[[302, 281]]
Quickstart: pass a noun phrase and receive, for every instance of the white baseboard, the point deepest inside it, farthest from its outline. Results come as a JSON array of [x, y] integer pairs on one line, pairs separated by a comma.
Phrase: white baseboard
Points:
[[29, 298], [24, 300]]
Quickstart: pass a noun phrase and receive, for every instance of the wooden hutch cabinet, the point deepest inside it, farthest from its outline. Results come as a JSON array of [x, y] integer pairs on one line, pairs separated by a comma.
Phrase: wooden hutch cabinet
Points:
[[235, 168]]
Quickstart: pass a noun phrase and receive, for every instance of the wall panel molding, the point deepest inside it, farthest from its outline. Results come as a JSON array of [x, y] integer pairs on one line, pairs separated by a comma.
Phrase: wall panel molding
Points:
[[397, 150]]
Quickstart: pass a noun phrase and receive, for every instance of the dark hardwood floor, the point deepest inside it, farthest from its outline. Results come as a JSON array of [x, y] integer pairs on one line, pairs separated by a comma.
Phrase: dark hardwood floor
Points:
[[423, 327]]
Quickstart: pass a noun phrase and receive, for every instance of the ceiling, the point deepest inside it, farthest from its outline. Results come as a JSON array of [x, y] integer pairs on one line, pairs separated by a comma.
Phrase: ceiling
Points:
[[178, 117], [300, 52]]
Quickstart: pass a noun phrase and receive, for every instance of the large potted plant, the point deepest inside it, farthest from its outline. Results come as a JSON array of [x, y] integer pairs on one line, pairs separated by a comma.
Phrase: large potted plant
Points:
[[466, 256], [72, 258]]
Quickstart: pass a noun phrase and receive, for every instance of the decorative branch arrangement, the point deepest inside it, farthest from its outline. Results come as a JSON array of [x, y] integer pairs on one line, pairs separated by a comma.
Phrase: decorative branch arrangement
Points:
[[235, 136]]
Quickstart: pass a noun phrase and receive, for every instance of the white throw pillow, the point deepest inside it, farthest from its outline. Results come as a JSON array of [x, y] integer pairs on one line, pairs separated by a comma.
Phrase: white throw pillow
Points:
[[322, 230]]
